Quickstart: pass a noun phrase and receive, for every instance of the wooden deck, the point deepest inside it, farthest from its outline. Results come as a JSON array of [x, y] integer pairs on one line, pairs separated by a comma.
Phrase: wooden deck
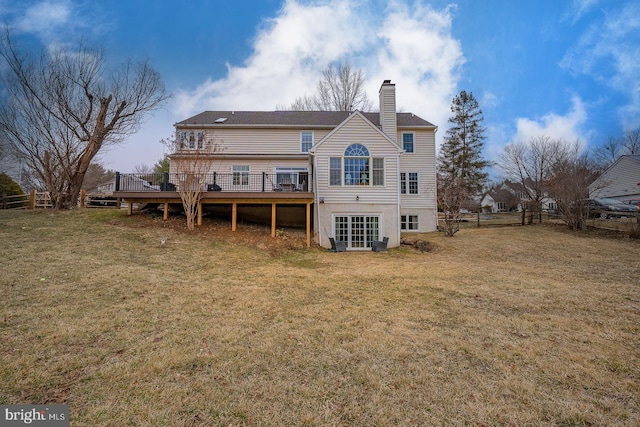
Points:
[[234, 199]]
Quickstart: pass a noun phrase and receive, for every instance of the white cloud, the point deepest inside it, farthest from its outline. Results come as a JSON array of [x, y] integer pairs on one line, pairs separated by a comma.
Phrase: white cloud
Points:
[[567, 127], [415, 49], [45, 18], [578, 8], [289, 54], [608, 52], [489, 100], [411, 45]]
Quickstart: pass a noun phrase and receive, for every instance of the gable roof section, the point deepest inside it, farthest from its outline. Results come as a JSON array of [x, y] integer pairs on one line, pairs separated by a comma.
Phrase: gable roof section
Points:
[[347, 120], [602, 180], [311, 119]]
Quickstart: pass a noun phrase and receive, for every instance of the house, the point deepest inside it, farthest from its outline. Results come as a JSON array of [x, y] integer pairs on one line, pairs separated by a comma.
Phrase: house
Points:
[[511, 196], [621, 180], [355, 176]]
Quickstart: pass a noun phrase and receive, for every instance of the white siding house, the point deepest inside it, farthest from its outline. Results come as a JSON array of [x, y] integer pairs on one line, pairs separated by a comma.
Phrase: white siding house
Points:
[[620, 181], [370, 175]]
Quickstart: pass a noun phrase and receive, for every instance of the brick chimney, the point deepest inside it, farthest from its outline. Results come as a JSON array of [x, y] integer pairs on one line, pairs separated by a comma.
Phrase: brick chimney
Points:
[[388, 120]]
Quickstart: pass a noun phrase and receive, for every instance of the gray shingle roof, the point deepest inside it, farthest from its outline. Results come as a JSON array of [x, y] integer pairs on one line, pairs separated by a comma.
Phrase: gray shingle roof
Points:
[[328, 119]]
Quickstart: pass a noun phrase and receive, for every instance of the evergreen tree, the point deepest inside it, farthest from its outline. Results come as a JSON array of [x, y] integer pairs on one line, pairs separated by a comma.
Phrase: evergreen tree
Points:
[[460, 164], [162, 165]]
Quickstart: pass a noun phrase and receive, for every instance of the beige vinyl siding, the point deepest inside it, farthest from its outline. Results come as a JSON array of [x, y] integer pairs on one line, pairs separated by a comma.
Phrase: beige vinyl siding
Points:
[[258, 140], [423, 161], [388, 116], [224, 171], [621, 180], [256, 166], [357, 130]]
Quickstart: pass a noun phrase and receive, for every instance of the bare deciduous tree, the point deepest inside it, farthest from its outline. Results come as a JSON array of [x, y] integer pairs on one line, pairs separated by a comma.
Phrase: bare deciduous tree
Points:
[[62, 108], [192, 169], [610, 151], [341, 88], [631, 141], [530, 164], [571, 175]]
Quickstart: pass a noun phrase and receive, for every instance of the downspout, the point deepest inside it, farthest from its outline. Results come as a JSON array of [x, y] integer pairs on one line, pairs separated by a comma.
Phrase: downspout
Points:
[[435, 177], [399, 228], [316, 198]]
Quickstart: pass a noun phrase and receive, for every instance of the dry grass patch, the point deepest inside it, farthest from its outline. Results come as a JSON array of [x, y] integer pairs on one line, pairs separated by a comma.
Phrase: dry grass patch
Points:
[[512, 326]]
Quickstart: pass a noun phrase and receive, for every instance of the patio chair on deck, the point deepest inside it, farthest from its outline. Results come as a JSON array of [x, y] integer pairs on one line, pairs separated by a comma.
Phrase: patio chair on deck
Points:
[[337, 246], [380, 246]]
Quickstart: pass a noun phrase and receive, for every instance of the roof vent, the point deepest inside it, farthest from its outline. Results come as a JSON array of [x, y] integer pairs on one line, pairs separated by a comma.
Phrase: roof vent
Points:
[[220, 120]]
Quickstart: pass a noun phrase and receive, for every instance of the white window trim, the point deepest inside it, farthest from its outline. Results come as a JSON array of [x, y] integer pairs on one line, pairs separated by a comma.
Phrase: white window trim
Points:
[[406, 173], [369, 183], [414, 141], [293, 171], [406, 223], [312, 140], [240, 174], [350, 215]]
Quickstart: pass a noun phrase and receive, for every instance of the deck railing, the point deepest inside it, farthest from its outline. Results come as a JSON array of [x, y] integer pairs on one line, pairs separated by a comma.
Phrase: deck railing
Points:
[[235, 182]]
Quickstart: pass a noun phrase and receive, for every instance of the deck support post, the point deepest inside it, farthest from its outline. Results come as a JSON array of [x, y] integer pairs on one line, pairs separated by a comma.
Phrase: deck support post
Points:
[[199, 213], [165, 214], [308, 224], [234, 216], [273, 220]]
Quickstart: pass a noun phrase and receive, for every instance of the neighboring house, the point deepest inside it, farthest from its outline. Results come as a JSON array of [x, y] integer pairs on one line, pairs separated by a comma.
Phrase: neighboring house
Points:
[[370, 175], [511, 196], [620, 181]]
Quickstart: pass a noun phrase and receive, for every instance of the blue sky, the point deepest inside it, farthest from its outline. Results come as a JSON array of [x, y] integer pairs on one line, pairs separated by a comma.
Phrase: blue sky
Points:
[[565, 69]]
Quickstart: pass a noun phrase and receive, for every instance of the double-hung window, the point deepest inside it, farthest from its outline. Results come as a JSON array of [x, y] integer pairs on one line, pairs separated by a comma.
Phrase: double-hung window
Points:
[[407, 142], [306, 141], [378, 171], [409, 182], [240, 174], [409, 222], [335, 171], [200, 140], [356, 167]]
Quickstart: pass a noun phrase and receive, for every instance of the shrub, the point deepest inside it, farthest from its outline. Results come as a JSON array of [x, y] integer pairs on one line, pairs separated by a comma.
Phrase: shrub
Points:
[[8, 186]]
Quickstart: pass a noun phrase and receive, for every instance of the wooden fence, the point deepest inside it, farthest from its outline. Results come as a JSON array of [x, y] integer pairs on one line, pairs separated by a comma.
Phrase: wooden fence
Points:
[[626, 222], [20, 201], [42, 200]]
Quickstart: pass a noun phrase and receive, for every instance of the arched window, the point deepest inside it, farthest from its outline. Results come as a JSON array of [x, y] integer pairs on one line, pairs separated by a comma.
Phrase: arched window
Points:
[[355, 167], [356, 150]]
